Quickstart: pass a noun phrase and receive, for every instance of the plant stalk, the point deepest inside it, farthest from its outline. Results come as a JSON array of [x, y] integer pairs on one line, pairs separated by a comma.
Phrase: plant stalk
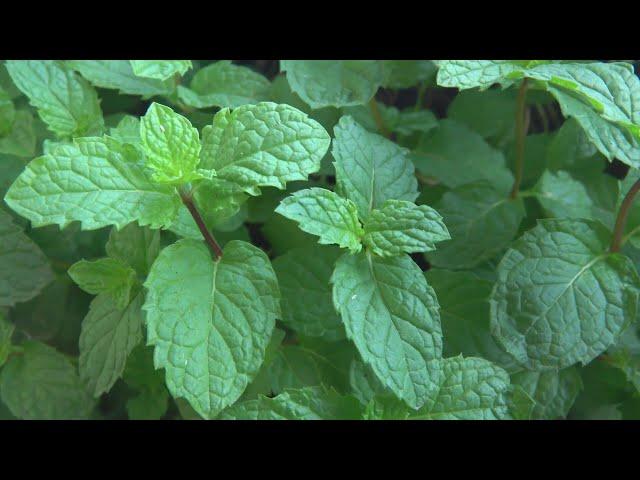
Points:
[[187, 199], [375, 111], [521, 133], [623, 213]]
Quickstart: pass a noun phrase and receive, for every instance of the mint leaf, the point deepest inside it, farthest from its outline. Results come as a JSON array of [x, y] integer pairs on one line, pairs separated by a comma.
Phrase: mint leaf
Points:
[[137, 246], [21, 140], [364, 383], [6, 332], [561, 297], [465, 74], [489, 113], [455, 156], [311, 403], [612, 89], [118, 74], [402, 227], [42, 384], [160, 69], [464, 313], [7, 113], [408, 73], [465, 389], [481, 220], [127, 130], [403, 122], [391, 314], [210, 322], [171, 145], [334, 83], [324, 213], [223, 84], [297, 367], [107, 275], [65, 102], [24, 269], [148, 405], [109, 332], [612, 140], [262, 145], [562, 196], [554, 392], [469, 389], [303, 275], [96, 181], [370, 169]]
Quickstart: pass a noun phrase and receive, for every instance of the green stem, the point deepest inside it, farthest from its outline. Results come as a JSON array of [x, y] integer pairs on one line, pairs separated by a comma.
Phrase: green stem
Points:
[[623, 213], [373, 105], [187, 199], [521, 133]]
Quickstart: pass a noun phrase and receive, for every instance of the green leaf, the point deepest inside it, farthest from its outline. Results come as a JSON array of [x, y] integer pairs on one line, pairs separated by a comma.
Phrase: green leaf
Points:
[[109, 333], [481, 220], [455, 156], [612, 140], [210, 321], [403, 122], [324, 213], [7, 113], [137, 246], [96, 181], [391, 314], [65, 102], [402, 227], [42, 384], [562, 196], [337, 83], [21, 141], [469, 389], [148, 405], [561, 297], [140, 373], [611, 89], [303, 275], [24, 269], [465, 74], [127, 130], [490, 113], [6, 332], [569, 145], [408, 73], [118, 74], [535, 157], [171, 145], [262, 145], [521, 404], [296, 366], [465, 389], [223, 84], [110, 276], [370, 169], [554, 391], [464, 313], [311, 403], [160, 69], [364, 383]]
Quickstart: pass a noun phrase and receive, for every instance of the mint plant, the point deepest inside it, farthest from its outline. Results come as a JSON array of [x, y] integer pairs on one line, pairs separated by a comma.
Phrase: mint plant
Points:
[[350, 239]]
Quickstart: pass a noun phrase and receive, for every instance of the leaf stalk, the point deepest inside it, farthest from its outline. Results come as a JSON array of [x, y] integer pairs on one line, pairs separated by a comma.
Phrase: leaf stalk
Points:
[[187, 200], [621, 220], [521, 133]]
